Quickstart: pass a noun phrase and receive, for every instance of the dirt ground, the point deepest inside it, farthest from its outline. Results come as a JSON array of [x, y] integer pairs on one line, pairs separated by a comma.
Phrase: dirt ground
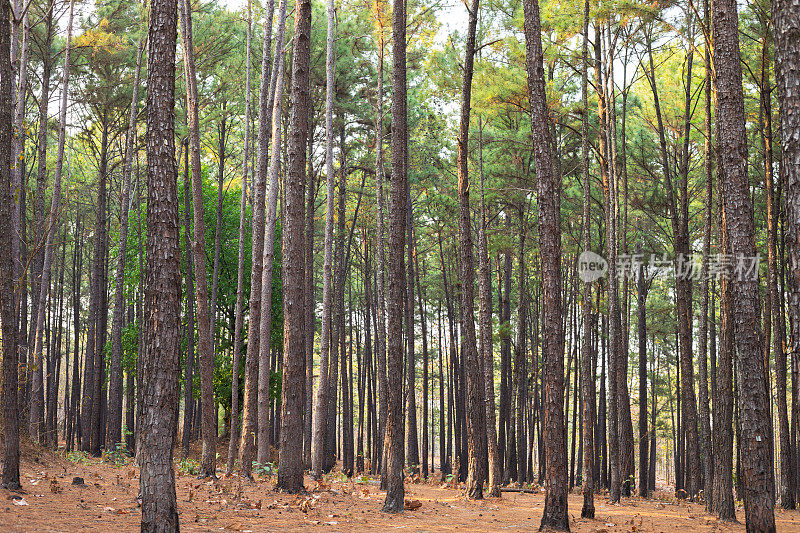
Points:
[[49, 502]]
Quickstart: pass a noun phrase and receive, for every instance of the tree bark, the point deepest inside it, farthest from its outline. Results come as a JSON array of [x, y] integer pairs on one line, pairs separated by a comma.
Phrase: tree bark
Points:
[[42, 226], [247, 445], [706, 446], [787, 52], [265, 327], [476, 409], [10, 479], [547, 192], [162, 280], [238, 319], [321, 407], [587, 366], [188, 375], [642, 289], [310, 299], [754, 410], [486, 339], [290, 459], [393, 444], [614, 321], [412, 442], [380, 286], [684, 295], [205, 350], [114, 434]]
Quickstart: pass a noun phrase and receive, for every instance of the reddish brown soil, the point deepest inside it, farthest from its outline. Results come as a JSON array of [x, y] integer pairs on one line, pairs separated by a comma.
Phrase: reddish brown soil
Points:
[[107, 502]]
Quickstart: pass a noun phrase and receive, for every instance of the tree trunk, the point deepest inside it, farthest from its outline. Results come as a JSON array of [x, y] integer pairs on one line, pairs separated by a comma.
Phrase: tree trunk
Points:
[[412, 442], [614, 321], [10, 479], [547, 192], [702, 365], [520, 367], [393, 444], [321, 407], [290, 460], [642, 287], [238, 320], [18, 154], [114, 434], [476, 409], [42, 226], [486, 340], [380, 286], [205, 350], [73, 418], [724, 504], [337, 315], [310, 300], [754, 413], [587, 366], [684, 295], [787, 51], [188, 376], [162, 280], [265, 327], [247, 445]]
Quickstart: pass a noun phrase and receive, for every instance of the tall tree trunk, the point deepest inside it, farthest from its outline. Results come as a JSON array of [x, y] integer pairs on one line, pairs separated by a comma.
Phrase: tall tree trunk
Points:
[[625, 423], [706, 446], [265, 327], [476, 409], [364, 386], [788, 461], [73, 418], [162, 280], [614, 320], [642, 288], [188, 376], [426, 441], [787, 52], [221, 131], [321, 407], [310, 299], [587, 366], [380, 286], [19, 53], [290, 459], [114, 434], [10, 479], [205, 350], [93, 429], [506, 431], [684, 295], [754, 414], [42, 226], [724, 504], [520, 367], [247, 445], [238, 320], [547, 192], [337, 314], [412, 442], [397, 220], [486, 339]]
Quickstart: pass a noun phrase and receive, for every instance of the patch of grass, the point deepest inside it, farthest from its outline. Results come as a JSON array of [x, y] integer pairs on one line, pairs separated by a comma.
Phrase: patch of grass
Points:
[[188, 467], [118, 456], [266, 469], [77, 456]]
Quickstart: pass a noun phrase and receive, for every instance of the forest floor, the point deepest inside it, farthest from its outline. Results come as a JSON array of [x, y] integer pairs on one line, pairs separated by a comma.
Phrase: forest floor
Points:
[[106, 502]]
